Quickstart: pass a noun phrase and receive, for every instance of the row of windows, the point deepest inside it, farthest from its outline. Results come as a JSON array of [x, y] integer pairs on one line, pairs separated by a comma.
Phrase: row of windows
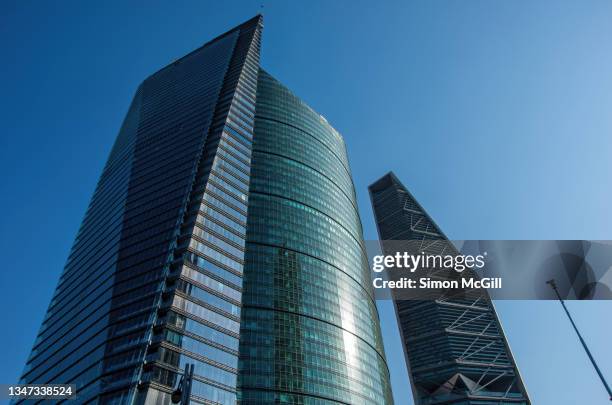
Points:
[[281, 104], [201, 368], [311, 288], [92, 293], [206, 264], [246, 113], [217, 242], [246, 92], [313, 233], [209, 299], [232, 188], [323, 355], [202, 279], [231, 157], [231, 262], [206, 314], [255, 396], [99, 261], [240, 115], [206, 224], [227, 201], [192, 326], [235, 121], [244, 101], [237, 148], [299, 182], [69, 334], [218, 199], [292, 143], [223, 214], [238, 200], [198, 388], [241, 137], [226, 167], [202, 349]]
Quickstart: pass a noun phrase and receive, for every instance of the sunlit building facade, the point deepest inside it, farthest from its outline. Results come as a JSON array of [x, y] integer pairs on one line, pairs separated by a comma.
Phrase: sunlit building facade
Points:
[[310, 331], [223, 233]]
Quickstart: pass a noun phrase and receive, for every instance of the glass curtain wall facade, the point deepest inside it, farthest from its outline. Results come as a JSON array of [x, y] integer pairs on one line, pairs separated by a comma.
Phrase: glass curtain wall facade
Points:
[[223, 233], [310, 330], [455, 348], [154, 276]]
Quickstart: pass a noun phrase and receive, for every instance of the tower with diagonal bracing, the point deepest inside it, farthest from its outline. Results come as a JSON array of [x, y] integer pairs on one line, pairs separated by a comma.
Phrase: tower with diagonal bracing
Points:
[[454, 345]]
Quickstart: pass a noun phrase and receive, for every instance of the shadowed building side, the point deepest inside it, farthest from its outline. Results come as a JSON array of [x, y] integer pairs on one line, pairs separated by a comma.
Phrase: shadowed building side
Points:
[[153, 279]]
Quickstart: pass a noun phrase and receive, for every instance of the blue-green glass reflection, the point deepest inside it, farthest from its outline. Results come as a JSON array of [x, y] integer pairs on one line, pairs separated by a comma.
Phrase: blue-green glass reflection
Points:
[[309, 326]]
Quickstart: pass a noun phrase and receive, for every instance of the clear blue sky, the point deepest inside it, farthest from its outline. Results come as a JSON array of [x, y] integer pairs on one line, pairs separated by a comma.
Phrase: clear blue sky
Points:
[[497, 116]]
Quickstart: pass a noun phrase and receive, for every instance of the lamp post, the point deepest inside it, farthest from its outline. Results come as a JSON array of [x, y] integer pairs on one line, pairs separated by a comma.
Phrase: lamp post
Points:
[[553, 285]]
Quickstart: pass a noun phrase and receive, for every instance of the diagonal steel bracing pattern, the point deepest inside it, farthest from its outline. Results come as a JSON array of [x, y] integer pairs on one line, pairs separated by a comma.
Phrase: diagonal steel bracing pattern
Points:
[[455, 347]]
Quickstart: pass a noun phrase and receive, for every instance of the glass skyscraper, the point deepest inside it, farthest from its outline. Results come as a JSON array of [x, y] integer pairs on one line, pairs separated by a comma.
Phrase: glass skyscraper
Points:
[[223, 233], [455, 348], [309, 330]]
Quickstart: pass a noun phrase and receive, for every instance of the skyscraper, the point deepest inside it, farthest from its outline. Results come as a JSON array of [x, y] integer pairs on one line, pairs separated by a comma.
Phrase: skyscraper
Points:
[[309, 328], [223, 233], [455, 348]]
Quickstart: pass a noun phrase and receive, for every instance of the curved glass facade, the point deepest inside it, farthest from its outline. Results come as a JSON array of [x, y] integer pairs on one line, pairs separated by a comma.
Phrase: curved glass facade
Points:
[[309, 325]]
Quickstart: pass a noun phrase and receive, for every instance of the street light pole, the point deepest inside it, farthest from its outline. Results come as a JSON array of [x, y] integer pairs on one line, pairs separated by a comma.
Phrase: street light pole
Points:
[[553, 285]]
